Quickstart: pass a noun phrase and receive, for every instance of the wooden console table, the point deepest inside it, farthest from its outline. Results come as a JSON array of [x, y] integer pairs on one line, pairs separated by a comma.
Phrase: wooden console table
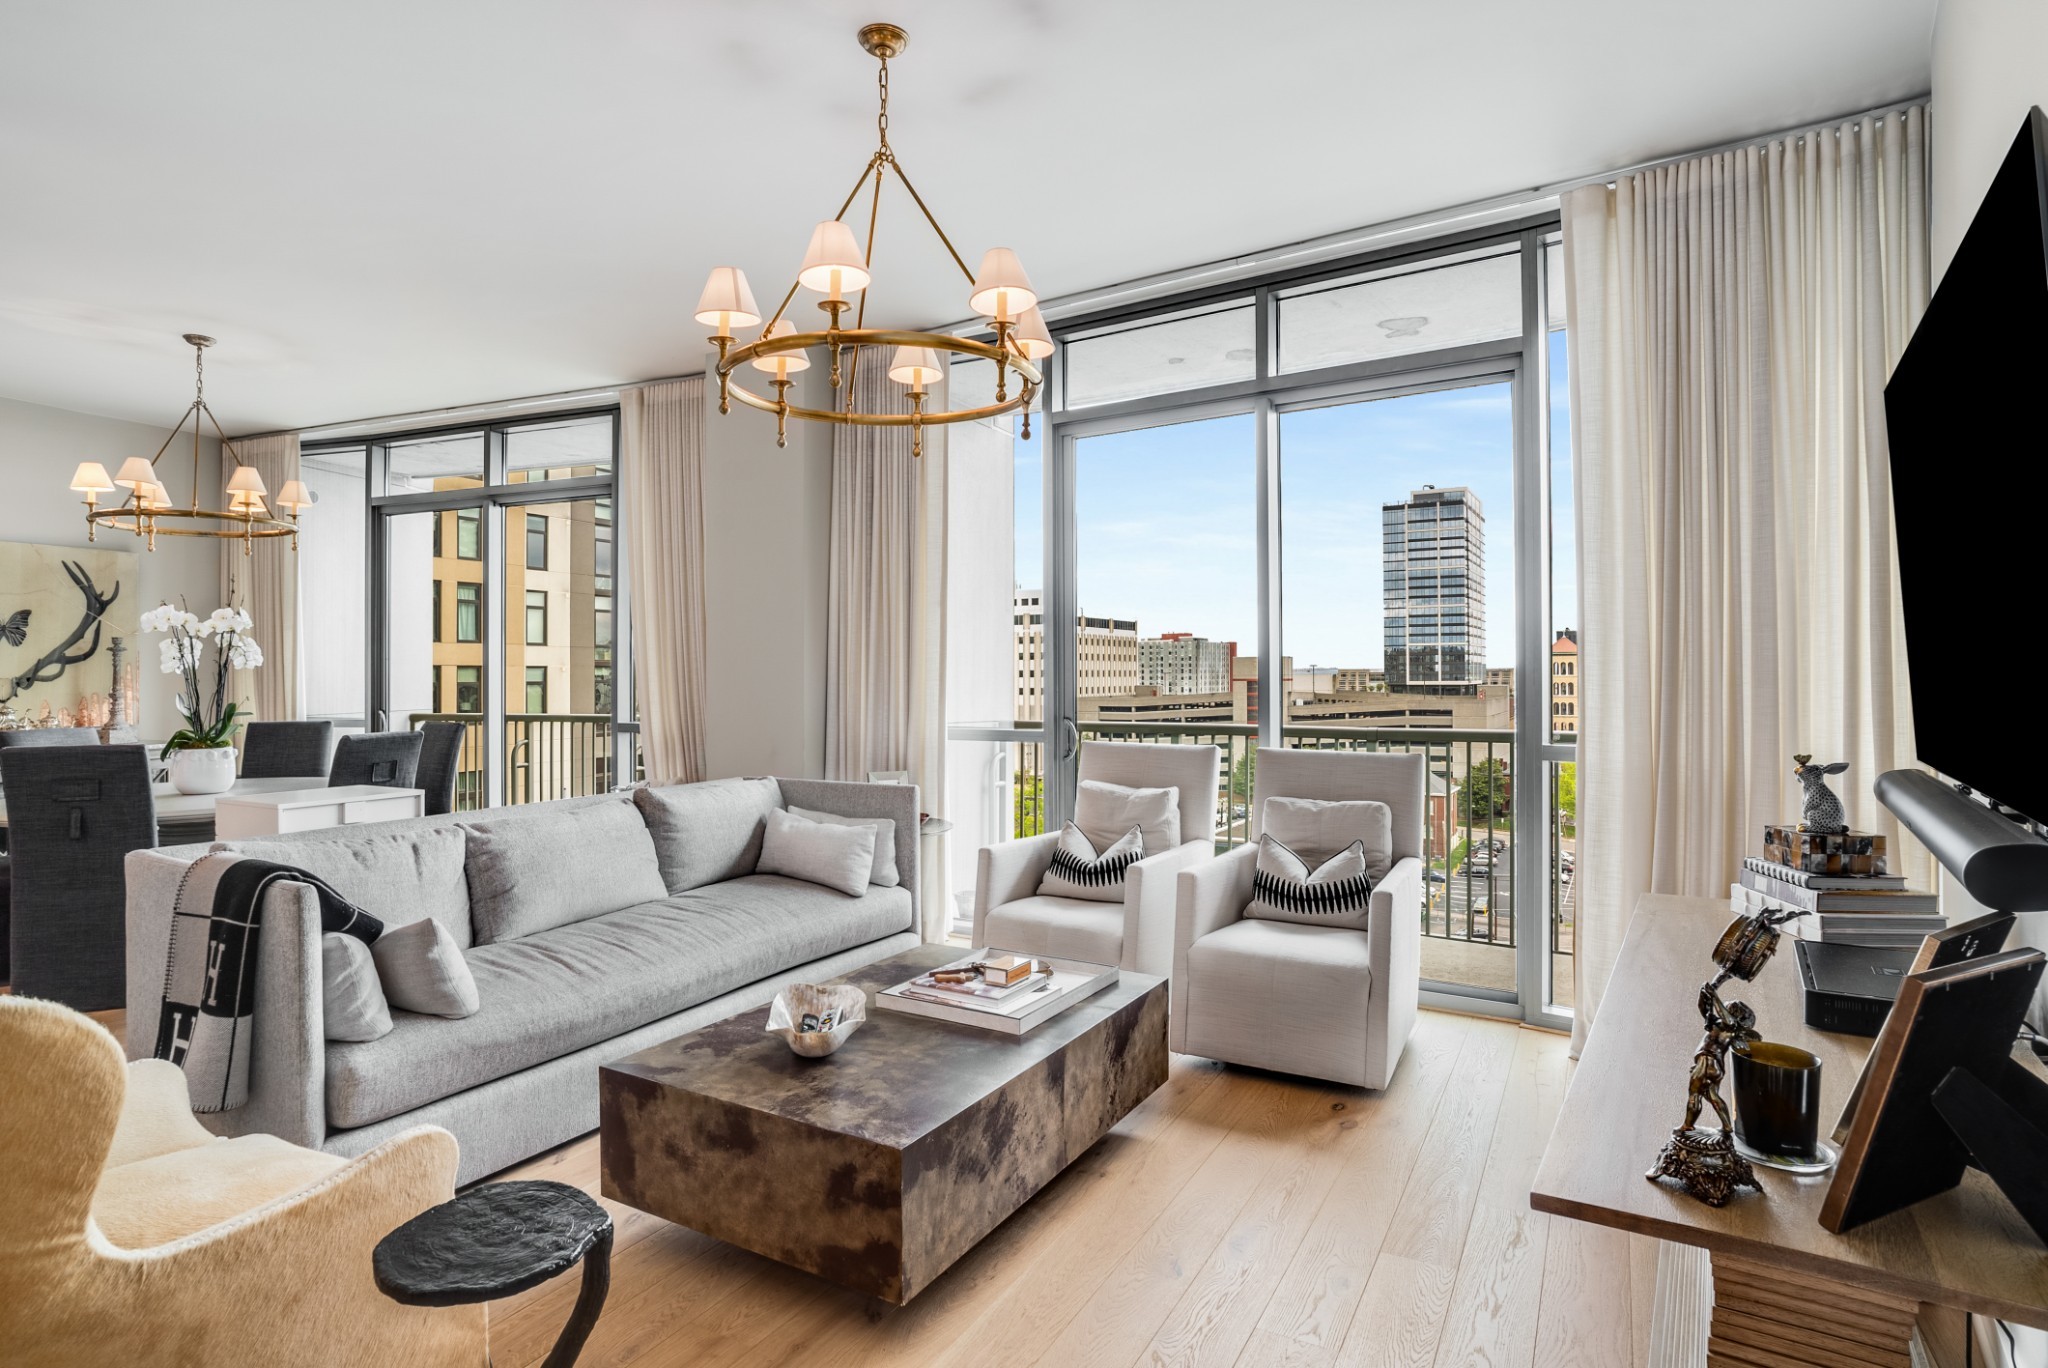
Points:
[[1786, 1292]]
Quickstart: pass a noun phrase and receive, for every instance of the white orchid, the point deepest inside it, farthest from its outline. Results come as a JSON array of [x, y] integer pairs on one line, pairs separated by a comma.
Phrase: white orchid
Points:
[[184, 654]]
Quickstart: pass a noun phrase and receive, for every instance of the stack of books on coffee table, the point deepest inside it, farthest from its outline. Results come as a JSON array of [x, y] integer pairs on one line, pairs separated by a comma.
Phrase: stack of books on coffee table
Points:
[[1857, 909], [998, 991]]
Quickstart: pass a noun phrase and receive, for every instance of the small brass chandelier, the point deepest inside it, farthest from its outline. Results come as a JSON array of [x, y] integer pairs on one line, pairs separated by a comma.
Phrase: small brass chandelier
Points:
[[837, 266], [146, 508]]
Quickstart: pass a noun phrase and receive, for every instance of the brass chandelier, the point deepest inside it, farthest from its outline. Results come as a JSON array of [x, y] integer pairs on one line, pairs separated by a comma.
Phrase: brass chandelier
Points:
[[836, 266], [146, 509]]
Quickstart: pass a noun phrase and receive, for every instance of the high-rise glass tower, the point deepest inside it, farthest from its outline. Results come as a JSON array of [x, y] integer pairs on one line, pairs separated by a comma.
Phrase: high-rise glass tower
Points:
[[1435, 591]]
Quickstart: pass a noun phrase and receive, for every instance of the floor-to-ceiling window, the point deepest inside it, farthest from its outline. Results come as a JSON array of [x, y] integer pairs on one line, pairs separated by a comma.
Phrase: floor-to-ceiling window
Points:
[[489, 552], [1321, 509]]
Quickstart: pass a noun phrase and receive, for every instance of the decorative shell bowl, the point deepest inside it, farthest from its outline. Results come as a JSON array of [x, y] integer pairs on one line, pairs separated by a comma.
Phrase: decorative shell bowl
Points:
[[817, 1019]]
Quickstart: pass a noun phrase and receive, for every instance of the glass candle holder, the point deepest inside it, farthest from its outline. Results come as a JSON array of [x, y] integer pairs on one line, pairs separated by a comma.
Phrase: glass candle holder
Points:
[[1777, 1100]]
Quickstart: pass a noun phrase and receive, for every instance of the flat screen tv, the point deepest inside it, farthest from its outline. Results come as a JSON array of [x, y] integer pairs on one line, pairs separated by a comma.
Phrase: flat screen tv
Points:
[[1967, 413]]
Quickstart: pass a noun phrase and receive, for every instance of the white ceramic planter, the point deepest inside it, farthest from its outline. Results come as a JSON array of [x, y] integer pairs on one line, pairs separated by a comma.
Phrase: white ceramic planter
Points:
[[203, 771]]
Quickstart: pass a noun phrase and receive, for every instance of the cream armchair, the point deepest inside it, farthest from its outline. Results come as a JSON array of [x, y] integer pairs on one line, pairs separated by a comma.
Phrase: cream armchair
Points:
[[1137, 934], [131, 1235], [1313, 1000]]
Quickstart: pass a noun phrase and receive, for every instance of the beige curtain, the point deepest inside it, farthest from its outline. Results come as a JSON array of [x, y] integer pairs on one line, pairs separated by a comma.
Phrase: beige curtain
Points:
[[662, 476], [1732, 322], [265, 581], [886, 632]]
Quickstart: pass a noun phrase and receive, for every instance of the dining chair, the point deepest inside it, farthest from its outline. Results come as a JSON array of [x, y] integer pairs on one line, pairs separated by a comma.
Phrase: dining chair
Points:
[[386, 759], [50, 736], [440, 756], [287, 750], [73, 814]]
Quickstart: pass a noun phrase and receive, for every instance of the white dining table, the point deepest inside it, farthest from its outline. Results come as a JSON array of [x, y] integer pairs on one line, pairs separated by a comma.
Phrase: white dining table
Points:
[[174, 808]]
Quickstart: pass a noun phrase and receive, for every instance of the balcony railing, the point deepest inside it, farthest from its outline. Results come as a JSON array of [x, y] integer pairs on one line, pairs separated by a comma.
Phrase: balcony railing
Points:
[[547, 756], [1469, 841]]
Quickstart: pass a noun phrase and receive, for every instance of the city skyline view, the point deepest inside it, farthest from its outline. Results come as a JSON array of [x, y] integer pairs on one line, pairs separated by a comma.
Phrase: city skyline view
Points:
[[1165, 517]]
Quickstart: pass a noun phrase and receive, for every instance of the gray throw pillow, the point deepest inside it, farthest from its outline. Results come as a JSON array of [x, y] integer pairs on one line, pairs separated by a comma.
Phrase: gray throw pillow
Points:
[[839, 857], [531, 873], [884, 874], [1106, 811], [1079, 870], [421, 970], [1316, 829], [710, 832], [1336, 893], [351, 998]]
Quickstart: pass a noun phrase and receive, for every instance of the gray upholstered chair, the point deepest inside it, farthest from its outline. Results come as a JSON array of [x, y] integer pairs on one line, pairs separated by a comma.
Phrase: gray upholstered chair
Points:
[[1137, 933], [387, 759], [440, 757], [51, 736], [73, 814], [1314, 1000], [287, 750]]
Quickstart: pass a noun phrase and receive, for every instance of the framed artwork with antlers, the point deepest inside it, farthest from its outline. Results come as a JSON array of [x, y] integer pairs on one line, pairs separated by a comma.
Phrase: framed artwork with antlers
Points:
[[61, 607]]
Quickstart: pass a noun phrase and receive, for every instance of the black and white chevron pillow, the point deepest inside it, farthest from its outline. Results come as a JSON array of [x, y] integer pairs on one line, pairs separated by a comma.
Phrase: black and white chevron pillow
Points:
[[1338, 892], [1078, 870]]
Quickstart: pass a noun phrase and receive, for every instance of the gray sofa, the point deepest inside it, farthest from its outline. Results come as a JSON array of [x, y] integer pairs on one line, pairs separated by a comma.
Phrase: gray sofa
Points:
[[590, 935]]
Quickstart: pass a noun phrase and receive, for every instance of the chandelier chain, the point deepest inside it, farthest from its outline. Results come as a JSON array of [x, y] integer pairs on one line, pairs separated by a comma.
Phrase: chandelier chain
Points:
[[882, 115]]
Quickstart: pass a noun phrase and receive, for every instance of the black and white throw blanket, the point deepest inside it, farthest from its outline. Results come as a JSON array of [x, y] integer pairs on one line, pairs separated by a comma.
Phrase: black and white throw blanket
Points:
[[206, 1022]]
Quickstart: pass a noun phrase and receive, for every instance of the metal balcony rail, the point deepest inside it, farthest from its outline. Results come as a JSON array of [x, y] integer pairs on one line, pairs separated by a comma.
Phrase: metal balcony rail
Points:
[[1468, 837], [547, 756]]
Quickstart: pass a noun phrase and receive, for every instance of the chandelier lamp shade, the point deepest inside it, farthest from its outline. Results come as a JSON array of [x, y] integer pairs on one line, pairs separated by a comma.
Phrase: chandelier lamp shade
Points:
[[142, 505], [836, 267]]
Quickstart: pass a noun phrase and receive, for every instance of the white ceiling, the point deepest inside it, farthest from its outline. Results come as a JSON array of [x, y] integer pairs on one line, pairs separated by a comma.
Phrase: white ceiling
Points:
[[387, 205]]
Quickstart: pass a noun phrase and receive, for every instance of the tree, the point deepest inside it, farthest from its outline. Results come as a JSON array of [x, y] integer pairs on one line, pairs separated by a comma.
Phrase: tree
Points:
[[1485, 794], [1568, 796], [1242, 774], [1030, 799]]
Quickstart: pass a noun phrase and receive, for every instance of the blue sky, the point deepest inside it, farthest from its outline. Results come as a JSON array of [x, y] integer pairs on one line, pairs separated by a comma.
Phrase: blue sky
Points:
[[1166, 529]]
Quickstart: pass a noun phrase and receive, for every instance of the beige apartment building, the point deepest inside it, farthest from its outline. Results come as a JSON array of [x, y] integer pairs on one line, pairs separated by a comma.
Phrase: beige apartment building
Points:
[[1107, 647], [1564, 683]]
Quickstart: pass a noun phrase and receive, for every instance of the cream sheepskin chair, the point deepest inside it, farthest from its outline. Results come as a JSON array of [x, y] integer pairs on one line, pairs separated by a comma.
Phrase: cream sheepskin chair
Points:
[[129, 1234]]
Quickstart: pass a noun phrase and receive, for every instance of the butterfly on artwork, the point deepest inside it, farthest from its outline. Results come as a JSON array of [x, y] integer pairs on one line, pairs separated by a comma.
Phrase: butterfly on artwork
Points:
[[15, 629]]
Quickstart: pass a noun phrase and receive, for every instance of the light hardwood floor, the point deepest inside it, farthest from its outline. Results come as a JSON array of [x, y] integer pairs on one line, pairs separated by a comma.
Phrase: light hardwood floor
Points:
[[1235, 1218]]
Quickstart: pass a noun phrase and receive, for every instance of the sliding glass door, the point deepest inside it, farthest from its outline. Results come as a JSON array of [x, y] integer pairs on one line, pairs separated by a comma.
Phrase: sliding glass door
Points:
[[496, 602], [1315, 511]]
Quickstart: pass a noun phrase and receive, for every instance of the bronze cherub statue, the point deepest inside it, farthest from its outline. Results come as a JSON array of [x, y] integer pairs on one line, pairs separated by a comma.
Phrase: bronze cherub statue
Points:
[[1703, 1160]]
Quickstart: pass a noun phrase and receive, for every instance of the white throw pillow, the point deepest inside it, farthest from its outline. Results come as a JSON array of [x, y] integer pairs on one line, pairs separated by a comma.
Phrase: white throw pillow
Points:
[[838, 857], [351, 998], [1079, 870], [1106, 811], [422, 970], [884, 874], [1336, 893], [1316, 829]]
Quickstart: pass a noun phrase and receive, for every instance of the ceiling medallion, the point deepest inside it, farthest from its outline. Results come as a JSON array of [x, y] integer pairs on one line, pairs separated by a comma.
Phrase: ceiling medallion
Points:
[[836, 267], [146, 505]]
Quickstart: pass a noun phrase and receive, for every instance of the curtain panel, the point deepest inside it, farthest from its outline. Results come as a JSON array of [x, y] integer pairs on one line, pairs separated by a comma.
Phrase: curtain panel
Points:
[[885, 628], [265, 582], [1733, 319], [661, 455]]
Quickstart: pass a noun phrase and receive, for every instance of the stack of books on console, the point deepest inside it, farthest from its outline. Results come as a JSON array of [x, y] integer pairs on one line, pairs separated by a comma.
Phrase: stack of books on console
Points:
[[1859, 909]]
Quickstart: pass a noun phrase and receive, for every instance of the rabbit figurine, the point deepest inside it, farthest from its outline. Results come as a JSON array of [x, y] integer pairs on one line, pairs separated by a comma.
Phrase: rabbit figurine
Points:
[[1821, 809]]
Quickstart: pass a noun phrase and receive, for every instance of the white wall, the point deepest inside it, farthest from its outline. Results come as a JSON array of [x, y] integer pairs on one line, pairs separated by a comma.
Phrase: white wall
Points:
[[767, 543], [1990, 67], [39, 448]]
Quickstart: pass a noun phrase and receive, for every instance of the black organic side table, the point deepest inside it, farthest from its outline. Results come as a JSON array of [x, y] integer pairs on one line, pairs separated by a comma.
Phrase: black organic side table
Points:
[[497, 1240]]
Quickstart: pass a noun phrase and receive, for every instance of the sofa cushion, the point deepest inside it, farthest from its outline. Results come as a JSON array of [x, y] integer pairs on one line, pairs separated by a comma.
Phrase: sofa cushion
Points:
[[837, 857], [395, 876], [708, 833], [351, 996], [1071, 928], [884, 871], [557, 991], [1316, 829], [421, 970], [527, 876]]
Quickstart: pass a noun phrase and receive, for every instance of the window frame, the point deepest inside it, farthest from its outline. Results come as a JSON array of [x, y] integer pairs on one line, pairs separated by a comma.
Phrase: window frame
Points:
[[492, 498], [542, 608], [1522, 360]]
